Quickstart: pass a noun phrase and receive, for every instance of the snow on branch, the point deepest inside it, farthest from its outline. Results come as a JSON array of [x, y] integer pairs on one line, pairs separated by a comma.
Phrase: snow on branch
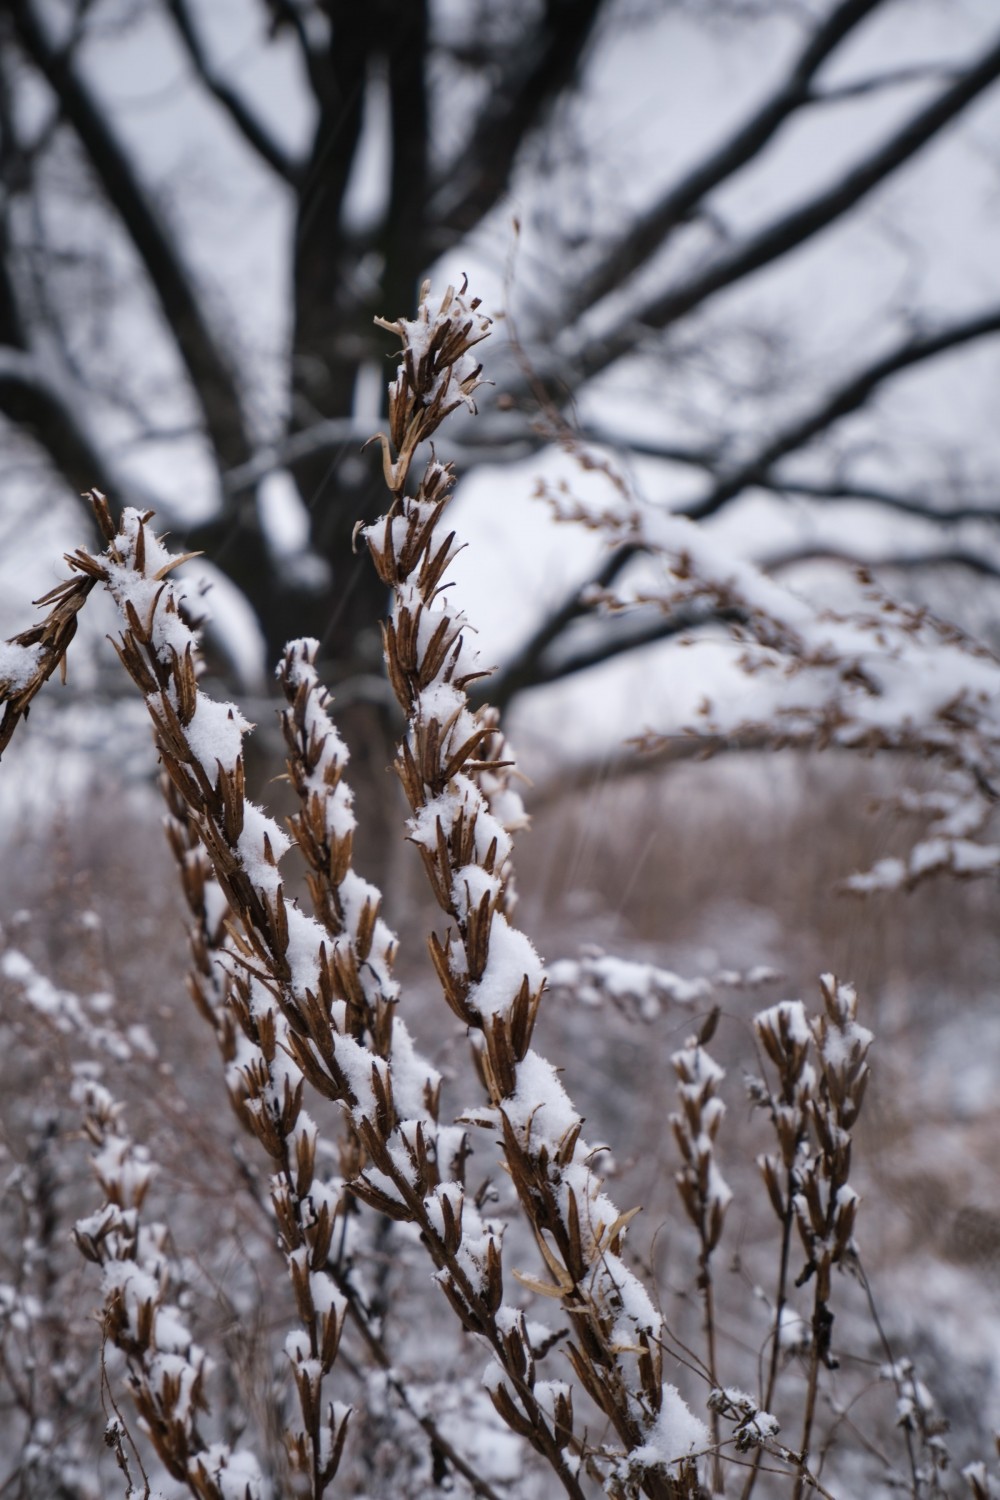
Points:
[[886, 676]]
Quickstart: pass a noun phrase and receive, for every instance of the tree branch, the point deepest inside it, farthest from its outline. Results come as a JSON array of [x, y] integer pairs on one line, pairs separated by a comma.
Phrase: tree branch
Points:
[[211, 377], [632, 760], [910, 505], [321, 287], [649, 232], [677, 453], [48, 410], [712, 460], [890, 78], [521, 671], [840, 403], [537, 72], [957, 557], [530, 666], [334, 435], [403, 233], [792, 229], [250, 127], [619, 638]]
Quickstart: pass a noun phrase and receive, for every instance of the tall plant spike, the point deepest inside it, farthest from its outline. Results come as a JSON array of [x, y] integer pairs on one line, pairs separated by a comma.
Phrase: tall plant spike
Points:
[[490, 974]]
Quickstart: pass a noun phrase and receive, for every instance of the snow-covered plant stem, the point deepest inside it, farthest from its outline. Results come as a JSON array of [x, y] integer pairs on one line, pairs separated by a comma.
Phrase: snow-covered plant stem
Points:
[[28, 660], [813, 1113], [491, 977], [210, 975], [783, 1033], [363, 951], [704, 1191], [166, 1369], [299, 993], [278, 971], [825, 1204], [348, 909]]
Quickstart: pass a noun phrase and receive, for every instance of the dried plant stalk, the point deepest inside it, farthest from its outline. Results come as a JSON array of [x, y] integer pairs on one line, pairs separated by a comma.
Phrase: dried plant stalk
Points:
[[294, 988], [490, 975], [200, 746], [704, 1191], [825, 1204], [28, 660], [166, 1367]]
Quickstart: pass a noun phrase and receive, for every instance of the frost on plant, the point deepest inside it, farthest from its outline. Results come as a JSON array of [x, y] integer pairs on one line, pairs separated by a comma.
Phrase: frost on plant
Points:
[[371, 1186]]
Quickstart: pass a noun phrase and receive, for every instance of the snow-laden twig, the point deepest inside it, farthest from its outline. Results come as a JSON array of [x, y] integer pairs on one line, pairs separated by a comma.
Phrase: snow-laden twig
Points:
[[704, 1191], [490, 974], [167, 1370], [641, 989], [918, 1414], [298, 997], [884, 676], [280, 953], [28, 660], [813, 1113]]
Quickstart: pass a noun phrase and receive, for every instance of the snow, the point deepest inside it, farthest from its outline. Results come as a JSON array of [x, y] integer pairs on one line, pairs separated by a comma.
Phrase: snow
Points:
[[357, 1065], [61, 1007], [136, 1287], [215, 735], [547, 1393], [470, 885], [637, 1313], [887, 874], [472, 1253], [973, 859], [356, 894], [795, 1332], [411, 1074], [786, 1019], [302, 954], [460, 799], [237, 1475], [493, 1379], [510, 961], [597, 976], [18, 665], [508, 1318], [675, 1434], [124, 1168], [442, 700], [260, 846], [540, 1104], [843, 1043], [699, 1072], [326, 1296]]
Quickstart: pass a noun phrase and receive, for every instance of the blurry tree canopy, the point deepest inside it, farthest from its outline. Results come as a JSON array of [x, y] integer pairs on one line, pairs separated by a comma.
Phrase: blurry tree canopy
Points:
[[713, 281]]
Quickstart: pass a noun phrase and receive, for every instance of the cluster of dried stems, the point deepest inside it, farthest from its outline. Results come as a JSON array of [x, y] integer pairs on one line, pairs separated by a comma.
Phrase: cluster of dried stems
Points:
[[306, 1014]]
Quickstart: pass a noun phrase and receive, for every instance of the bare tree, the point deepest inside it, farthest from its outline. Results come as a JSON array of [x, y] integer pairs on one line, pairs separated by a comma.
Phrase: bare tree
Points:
[[467, 102]]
